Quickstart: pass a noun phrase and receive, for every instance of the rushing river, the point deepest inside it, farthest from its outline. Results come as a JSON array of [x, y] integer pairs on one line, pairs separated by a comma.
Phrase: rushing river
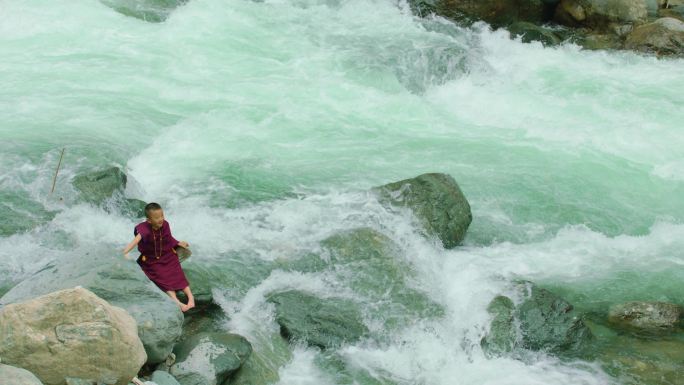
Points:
[[260, 126]]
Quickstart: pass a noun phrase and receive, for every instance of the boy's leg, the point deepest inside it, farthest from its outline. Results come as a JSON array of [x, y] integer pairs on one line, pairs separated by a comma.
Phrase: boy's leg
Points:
[[182, 306], [191, 299]]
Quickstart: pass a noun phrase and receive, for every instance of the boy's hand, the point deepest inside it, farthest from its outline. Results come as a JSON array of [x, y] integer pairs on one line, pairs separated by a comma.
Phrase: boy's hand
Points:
[[183, 244], [126, 256]]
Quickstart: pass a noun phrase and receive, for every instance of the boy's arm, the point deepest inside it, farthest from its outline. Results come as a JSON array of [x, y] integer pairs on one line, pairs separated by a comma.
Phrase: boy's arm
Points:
[[131, 245]]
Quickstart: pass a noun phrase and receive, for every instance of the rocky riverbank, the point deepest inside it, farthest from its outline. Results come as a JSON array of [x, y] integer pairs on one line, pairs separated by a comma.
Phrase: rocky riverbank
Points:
[[649, 26], [95, 319]]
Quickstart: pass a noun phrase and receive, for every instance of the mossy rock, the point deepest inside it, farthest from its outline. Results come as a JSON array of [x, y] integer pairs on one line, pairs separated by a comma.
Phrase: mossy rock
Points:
[[214, 356], [548, 323], [501, 338], [436, 200], [98, 186], [325, 323]]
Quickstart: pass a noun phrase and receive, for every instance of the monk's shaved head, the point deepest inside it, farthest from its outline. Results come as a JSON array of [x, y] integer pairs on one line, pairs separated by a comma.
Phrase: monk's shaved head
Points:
[[152, 206]]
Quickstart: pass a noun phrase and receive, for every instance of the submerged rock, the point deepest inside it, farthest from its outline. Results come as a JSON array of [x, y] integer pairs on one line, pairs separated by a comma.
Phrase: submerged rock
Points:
[[436, 200], [548, 323], [501, 338], [209, 358], [71, 333], [646, 317], [17, 376], [529, 32], [20, 213], [120, 282], [664, 36], [636, 361], [154, 11], [601, 14], [374, 268], [325, 323]]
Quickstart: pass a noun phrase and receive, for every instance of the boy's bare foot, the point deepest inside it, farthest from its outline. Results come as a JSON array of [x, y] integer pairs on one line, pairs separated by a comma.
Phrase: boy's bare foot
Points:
[[184, 307], [191, 304]]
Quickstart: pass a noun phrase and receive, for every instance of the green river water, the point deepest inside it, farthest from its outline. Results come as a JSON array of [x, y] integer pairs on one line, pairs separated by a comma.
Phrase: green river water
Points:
[[260, 126]]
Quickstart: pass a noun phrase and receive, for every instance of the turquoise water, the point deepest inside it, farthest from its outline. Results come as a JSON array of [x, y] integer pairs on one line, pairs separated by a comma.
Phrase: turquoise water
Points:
[[260, 125]]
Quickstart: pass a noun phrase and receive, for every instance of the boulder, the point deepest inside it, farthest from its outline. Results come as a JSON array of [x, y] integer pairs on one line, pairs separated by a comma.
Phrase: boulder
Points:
[[495, 12], [71, 333], [163, 378], [270, 353], [547, 322], [153, 11], [646, 317], [436, 200], [529, 32], [501, 337], [325, 323], [601, 14], [120, 282], [375, 269], [209, 358], [98, 186], [664, 36], [17, 376]]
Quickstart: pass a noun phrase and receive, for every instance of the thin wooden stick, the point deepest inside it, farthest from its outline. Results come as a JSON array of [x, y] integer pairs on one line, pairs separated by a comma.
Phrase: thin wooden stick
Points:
[[136, 381], [54, 180]]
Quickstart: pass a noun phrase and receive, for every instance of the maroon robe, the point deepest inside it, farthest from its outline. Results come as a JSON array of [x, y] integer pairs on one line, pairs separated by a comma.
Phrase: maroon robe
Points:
[[158, 258]]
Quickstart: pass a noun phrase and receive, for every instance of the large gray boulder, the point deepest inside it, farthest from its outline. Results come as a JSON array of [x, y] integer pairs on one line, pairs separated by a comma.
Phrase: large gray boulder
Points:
[[436, 200], [17, 376], [325, 323], [662, 37], [646, 317], [601, 14], [209, 358], [71, 333], [121, 283]]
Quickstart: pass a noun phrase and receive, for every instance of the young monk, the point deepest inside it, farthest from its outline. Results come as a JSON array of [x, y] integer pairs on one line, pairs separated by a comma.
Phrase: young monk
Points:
[[158, 257]]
